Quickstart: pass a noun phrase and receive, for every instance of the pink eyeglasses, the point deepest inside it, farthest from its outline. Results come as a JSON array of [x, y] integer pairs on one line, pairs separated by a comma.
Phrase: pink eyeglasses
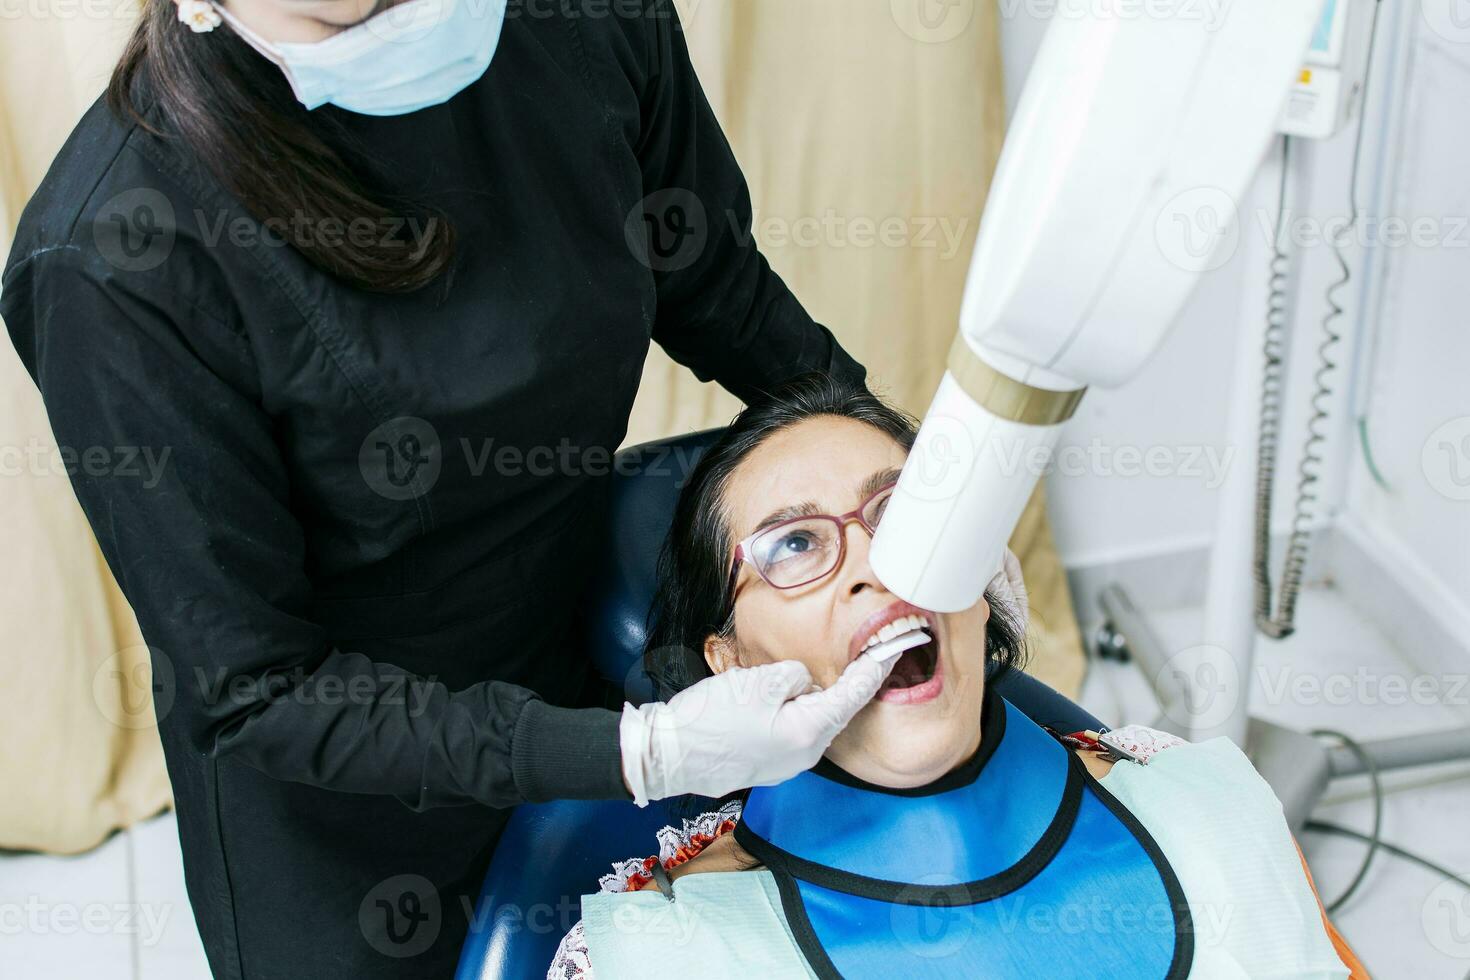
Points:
[[800, 550]]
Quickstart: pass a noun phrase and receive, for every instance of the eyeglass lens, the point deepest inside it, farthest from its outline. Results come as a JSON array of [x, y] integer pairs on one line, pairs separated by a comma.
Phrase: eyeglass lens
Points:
[[802, 551]]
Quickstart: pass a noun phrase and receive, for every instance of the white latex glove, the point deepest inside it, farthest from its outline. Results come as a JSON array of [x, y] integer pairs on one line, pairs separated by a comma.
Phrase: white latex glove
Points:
[[1009, 587], [747, 726]]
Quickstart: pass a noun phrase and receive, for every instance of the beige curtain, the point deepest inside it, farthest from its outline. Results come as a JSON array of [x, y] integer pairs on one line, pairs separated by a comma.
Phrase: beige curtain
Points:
[[79, 753], [868, 130], [868, 143]]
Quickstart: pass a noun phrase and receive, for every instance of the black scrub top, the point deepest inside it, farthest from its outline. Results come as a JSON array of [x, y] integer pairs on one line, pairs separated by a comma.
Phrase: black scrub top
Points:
[[355, 527]]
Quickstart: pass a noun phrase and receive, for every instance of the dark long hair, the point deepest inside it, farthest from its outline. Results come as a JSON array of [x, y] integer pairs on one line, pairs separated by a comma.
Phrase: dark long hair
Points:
[[234, 111], [693, 570]]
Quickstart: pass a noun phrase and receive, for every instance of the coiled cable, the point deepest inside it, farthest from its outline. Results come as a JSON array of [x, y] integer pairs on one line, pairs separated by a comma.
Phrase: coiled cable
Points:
[[1282, 622], [1268, 437]]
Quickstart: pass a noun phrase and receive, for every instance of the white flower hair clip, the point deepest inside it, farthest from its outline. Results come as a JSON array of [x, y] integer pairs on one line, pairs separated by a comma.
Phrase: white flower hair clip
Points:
[[200, 15]]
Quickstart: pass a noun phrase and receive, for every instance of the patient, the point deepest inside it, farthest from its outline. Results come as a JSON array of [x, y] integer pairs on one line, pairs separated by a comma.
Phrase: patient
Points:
[[944, 833]]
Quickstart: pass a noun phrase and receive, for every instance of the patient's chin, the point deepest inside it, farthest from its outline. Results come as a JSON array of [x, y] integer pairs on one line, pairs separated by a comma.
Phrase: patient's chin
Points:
[[899, 770], [887, 748], [904, 745]]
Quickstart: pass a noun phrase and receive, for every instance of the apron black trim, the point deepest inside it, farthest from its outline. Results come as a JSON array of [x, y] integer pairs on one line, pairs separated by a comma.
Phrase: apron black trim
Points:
[[995, 886], [801, 926], [1183, 960]]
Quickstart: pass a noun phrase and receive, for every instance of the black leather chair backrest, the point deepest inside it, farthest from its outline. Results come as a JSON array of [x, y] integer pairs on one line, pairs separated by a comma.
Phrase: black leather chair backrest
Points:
[[640, 506]]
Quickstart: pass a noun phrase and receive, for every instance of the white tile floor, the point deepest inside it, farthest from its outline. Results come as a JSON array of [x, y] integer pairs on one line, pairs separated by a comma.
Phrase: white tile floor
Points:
[[120, 912]]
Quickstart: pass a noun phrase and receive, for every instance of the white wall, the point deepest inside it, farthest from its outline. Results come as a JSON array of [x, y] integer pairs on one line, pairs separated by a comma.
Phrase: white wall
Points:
[[1416, 392]]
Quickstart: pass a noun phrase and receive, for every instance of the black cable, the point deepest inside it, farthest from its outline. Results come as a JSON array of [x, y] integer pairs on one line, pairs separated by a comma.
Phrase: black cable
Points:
[[1373, 838], [1322, 826]]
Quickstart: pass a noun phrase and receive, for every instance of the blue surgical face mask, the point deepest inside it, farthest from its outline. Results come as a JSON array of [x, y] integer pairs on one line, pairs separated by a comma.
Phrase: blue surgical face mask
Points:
[[414, 54]]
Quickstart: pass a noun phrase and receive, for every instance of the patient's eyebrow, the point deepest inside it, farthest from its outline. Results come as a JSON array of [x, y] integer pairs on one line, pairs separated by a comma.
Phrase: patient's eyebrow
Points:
[[878, 481], [804, 509], [871, 485]]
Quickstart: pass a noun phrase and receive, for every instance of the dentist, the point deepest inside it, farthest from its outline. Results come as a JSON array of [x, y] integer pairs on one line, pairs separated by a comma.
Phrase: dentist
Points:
[[376, 282]]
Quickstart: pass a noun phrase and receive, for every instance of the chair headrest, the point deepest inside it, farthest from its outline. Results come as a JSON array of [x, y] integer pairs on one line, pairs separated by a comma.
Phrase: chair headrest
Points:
[[646, 483]]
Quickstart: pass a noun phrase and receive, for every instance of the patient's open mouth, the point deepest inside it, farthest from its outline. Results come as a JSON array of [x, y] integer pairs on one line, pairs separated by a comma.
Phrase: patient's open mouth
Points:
[[918, 673], [917, 676]]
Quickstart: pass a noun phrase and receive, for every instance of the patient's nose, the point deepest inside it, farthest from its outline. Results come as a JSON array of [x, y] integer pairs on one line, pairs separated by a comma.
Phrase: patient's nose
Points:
[[857, 574]]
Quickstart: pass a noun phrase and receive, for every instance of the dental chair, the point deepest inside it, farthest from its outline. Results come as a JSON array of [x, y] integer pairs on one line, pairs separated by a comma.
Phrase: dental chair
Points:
[[552, 853]]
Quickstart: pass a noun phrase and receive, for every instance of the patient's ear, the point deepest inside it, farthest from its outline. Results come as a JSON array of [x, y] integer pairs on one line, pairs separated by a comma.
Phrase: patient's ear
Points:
[[719, 653]]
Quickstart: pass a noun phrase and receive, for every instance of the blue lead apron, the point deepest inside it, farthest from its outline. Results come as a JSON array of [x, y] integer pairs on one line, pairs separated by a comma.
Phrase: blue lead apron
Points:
[[1015, 865]]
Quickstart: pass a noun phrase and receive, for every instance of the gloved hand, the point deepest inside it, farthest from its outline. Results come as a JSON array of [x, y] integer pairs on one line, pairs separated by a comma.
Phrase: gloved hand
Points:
[[747, 726], [1007, 586]]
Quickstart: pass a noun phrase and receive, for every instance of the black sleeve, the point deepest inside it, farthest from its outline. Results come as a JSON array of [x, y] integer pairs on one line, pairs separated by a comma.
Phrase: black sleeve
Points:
[[189, 498], [722, 311]]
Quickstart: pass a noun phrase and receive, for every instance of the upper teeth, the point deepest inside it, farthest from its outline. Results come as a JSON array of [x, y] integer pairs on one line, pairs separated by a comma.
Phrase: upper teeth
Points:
[[896, 628]]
